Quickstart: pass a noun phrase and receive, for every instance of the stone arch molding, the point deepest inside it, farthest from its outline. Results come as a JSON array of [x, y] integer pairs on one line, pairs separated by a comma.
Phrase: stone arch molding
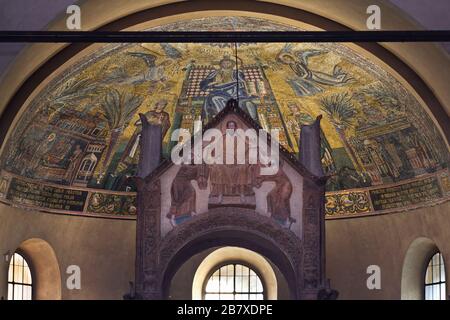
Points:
[[225, 255], [415, 264], [44, 268], [235, 227]]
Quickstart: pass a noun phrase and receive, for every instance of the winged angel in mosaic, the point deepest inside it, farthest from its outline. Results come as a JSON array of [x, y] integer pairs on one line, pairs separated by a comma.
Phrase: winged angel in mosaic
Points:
[[153, 73], [307, 81]]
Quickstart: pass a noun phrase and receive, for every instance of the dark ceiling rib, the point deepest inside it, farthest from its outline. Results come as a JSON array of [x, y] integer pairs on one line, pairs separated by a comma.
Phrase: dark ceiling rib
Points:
[[233, 36]]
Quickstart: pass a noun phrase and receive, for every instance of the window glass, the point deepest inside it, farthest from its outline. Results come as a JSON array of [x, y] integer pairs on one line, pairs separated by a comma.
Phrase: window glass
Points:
[[234, 282], [435, 278], [19, 279]]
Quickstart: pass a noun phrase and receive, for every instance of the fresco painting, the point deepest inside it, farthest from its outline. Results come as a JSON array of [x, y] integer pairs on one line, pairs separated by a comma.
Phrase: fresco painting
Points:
[[83, 128]]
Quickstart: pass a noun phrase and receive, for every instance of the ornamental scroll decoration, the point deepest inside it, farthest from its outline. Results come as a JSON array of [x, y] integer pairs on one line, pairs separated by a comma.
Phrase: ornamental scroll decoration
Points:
[[231, 217], [347, 203], [148, 240]]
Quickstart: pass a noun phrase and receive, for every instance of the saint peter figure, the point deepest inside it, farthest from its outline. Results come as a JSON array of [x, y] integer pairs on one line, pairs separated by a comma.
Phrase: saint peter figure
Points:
[[295, 119], [156, 116]]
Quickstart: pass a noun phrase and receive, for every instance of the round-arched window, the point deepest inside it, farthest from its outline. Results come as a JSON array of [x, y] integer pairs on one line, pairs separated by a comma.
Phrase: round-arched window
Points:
[[435, 278], [20, 282], [234, 282]]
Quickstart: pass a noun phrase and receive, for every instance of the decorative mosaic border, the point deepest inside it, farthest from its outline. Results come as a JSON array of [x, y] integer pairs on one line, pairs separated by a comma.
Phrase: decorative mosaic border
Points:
[[30, 194], [430, 189], [427, 190]]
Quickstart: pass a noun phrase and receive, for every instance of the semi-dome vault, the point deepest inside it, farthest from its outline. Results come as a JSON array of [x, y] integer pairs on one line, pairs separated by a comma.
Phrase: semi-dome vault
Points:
[[76, 142]]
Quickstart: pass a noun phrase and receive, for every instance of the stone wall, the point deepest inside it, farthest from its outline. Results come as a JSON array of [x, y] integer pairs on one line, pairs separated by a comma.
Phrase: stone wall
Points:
[[104, 249]]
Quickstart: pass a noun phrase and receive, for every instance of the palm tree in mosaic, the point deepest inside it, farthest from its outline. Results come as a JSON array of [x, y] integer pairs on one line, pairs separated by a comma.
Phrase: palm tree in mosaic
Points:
[[71, 93], [118, 110], [341, 112]]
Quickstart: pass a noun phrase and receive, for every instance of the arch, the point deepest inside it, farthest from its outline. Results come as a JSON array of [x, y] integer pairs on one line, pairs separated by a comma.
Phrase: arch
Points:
[[224, 255], [87, 167], [44, 268], [231, 226], [414, 267]]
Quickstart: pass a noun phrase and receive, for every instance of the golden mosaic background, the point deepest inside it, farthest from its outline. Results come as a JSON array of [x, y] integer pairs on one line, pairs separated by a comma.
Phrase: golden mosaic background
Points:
[[82, 130]]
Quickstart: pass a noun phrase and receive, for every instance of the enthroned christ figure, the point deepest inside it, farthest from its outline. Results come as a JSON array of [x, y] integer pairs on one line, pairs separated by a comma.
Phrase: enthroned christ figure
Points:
[[232, 182]]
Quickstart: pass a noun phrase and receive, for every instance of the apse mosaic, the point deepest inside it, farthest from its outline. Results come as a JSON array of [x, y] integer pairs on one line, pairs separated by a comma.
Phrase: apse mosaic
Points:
[[82, 131]]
